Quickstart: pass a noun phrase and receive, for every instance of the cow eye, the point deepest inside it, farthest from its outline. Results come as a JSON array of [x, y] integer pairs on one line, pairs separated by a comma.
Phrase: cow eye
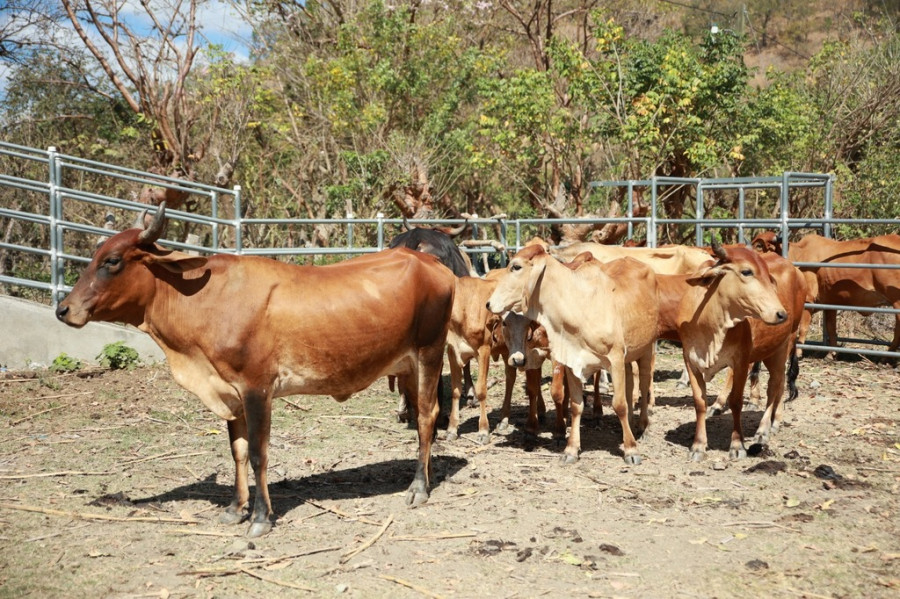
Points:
[[112, 261], [515, 267], [747, 272]]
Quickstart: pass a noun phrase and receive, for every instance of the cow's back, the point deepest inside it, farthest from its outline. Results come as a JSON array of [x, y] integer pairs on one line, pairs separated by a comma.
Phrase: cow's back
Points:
[[852, 286], [671, 259]]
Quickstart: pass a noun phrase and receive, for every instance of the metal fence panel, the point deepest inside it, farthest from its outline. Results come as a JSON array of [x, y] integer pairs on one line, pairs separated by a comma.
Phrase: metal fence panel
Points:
[[51, 175]]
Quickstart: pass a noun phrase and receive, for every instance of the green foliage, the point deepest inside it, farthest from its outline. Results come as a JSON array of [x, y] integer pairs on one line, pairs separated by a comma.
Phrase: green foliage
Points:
[[118, 356], [65, 363]]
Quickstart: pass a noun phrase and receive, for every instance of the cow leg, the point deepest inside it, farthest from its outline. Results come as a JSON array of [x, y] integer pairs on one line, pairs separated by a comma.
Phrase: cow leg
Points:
[[258, 413], [771, 419], [622, 380], [237, 435], [509, 376], [424, 394], [736, 404], [576, 405], [802, 330], [484, 429], [830, 318], [558, 394], [456, 383], [718, 406], [698, 389], [645, 387], [471, 392], [630, 373], [536, 409], [754, 384], [895, 343]]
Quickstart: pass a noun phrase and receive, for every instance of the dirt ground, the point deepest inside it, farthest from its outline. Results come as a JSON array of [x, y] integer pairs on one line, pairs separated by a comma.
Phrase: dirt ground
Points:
[[112, 484]]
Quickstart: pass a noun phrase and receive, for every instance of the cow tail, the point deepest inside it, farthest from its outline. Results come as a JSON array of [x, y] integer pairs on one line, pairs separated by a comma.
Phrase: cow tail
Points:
[[793, 372], [754, 373]]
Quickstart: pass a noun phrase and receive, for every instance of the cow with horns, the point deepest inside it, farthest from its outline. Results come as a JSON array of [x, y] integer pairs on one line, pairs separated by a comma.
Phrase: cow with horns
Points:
[[239, 331]]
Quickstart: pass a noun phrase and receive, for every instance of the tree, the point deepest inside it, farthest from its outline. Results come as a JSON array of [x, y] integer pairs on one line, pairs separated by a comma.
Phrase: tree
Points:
[[154, 75]]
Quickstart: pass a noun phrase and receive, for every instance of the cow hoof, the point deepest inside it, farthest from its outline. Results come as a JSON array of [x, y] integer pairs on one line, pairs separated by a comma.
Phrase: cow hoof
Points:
[[633, 459], [713, 411], [258, 529], [697, 455], [451, 436], [568, 458], [503, 425], [737, 454], [483, 438], [416, 497], [230, 517]]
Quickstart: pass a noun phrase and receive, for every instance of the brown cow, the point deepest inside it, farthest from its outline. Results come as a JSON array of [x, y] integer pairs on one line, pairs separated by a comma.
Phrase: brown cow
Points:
[[239, 331], [859, 287], [592, 320], [772, 345], [523, 345], [703, 311]]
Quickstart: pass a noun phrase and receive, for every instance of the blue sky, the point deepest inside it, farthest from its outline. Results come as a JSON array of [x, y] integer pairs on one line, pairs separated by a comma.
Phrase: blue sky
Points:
[[220, 22]]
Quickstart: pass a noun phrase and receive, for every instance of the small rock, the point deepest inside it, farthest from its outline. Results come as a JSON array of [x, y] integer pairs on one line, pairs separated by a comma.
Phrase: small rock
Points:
[[611, 549], [757, 564]]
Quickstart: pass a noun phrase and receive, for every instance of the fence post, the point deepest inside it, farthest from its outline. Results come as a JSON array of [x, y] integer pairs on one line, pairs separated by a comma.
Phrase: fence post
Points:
[[57, 273], [380, 230], [238, 237]]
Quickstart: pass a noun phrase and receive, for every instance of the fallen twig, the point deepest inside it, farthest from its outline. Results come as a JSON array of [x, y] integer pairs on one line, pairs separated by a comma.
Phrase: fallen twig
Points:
[[88, 516], [289, 585], [169, 455], [51, 474], [30, 416], [346, 557], [435, 537], [410, 585], [342, 514], [761, 525], [295, 405]]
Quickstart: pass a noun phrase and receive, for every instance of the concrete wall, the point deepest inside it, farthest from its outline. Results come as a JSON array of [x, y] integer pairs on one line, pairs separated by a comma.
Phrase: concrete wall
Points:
[[30, 336]]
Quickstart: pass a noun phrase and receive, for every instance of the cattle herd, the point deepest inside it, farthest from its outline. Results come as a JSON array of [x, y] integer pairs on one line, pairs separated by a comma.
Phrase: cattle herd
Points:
[[239, 331]]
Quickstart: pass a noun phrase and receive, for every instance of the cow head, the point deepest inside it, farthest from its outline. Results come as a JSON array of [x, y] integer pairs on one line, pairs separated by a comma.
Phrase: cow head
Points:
[[743, 286], [119, 282], [517, 286], [767, 241]]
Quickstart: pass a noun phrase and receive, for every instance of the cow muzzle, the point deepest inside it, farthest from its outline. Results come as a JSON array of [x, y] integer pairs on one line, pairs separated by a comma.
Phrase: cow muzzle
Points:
[[517, 359], [64, 315]]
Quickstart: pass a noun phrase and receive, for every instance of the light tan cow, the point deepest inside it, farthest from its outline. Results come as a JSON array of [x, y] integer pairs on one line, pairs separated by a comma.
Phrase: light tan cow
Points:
[[593, 320], [470, 336], [667, 260]]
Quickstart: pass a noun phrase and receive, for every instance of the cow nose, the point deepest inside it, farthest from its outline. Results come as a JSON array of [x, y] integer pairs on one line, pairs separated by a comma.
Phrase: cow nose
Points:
[[61, 312], [780, 316], [517, 360]]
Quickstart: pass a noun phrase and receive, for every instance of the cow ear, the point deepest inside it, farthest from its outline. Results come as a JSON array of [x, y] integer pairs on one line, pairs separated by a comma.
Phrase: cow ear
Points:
[[707, 276], [179, 262], [533, 279], [494, 323]]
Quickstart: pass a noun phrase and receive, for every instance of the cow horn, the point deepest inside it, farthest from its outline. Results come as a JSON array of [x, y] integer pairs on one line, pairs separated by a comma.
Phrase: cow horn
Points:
[[154, 230], [717, 249], [406, 224], [453, 232]]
